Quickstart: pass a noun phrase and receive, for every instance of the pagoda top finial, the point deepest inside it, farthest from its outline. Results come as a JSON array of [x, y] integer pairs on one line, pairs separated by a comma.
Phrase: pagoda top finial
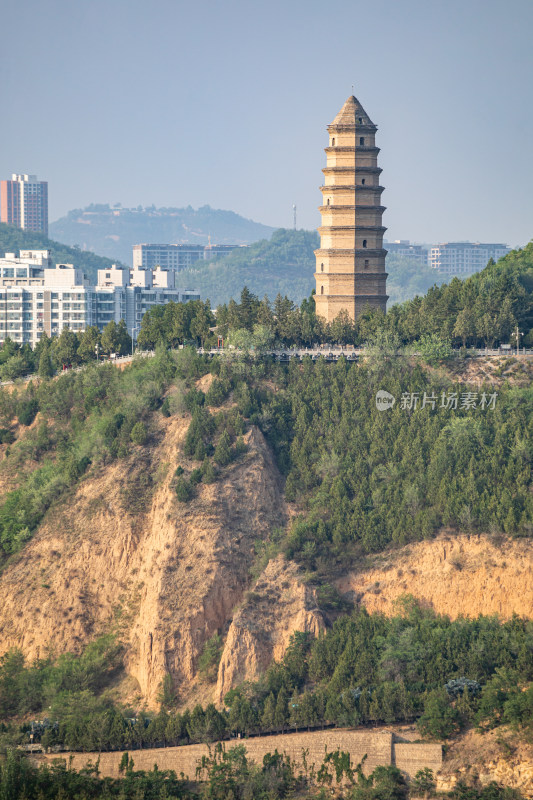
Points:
[[351, 113]]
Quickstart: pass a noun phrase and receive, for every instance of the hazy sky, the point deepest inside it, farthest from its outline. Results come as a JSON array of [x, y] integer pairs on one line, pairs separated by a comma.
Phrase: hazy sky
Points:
[[226, 103]]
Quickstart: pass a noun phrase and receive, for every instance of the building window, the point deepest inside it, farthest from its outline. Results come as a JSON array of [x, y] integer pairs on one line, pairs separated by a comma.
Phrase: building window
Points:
[[362, 141], [364, 242]]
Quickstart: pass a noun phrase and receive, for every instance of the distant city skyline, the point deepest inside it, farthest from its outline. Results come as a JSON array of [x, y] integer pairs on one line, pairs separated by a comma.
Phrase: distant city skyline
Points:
[[178, 104]]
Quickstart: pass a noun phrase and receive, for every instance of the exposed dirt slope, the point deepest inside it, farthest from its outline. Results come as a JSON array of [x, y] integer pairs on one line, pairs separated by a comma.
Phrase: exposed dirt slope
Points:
[[454, 575], [497, 755], [490, 370], [279, 605], [120, 551]]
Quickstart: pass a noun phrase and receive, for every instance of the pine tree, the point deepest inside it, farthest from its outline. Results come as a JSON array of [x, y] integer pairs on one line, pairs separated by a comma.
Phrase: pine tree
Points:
[[223, 454], [281, 712], [46, 370], [269, 711]]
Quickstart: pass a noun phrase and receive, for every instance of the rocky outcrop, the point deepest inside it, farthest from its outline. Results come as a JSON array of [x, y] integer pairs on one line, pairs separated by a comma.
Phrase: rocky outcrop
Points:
[[455, 575], [278, 606], [497, 755], [122, 553]]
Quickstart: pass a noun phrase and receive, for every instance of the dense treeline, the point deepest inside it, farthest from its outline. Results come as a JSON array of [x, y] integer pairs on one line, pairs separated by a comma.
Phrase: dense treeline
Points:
[[360, 479], [53, 354], [363, 478], [366, 669], [482, 310]]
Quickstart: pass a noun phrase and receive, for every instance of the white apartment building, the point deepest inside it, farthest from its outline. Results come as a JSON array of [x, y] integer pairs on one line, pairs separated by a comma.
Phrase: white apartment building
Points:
[[457, 258], [404, 248], [36, 297], [177, 256]]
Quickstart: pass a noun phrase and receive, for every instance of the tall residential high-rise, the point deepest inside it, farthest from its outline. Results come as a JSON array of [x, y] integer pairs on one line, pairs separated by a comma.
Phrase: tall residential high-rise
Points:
[[350, 264], [24, 203]]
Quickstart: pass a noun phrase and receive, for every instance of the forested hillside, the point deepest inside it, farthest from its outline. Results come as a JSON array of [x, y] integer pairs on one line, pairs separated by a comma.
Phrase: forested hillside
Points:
[[178, 446], [284, 263], [358, 480]]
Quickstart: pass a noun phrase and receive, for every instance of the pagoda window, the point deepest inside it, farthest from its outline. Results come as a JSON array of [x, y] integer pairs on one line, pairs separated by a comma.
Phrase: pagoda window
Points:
[[364, 242], [321, 290], [333, 142], [367, 263], [363, 181], [362, 141], [322, 268], [328, 201], [360, 120]]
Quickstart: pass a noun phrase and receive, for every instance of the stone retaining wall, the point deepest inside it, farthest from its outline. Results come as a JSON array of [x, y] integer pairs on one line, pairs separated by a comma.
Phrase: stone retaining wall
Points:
[[378, 746]]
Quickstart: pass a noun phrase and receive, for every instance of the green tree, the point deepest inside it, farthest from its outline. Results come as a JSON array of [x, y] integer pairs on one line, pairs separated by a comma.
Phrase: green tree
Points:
[[116, 339], [440, 719], [46, 369], [66, 347], [223, 455], [90, 342], [139, 433], [465, 325]]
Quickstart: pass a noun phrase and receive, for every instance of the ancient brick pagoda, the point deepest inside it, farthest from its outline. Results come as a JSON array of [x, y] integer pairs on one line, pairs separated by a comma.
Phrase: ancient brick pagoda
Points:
[[350, 264]]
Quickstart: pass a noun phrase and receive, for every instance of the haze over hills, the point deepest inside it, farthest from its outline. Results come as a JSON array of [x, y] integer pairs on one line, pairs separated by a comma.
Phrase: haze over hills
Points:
[[113, 230], [285, 264]]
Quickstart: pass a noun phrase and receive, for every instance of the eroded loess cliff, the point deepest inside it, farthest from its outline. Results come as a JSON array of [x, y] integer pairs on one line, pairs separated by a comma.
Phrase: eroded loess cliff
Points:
[[278, 606], [455, 575], [122, 551]]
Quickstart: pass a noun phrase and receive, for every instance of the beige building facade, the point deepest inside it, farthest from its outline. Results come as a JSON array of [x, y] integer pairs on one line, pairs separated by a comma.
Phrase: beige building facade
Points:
[[350, 264]]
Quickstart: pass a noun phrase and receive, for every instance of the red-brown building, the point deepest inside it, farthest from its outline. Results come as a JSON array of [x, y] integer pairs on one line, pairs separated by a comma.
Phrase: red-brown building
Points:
[[24, 203]]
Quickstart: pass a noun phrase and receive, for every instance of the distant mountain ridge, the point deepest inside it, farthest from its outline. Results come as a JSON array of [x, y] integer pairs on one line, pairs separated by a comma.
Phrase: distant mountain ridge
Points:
[[113, 230]]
